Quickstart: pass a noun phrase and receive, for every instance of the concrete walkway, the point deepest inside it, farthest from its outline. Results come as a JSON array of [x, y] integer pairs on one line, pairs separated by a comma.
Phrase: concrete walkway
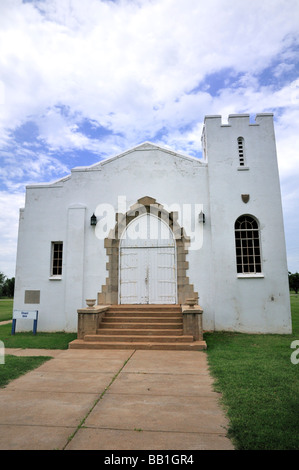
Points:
[[113, 400]]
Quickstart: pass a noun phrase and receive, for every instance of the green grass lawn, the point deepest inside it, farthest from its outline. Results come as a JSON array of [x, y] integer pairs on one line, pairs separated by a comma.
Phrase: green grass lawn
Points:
[[15, 366], [6, 309], [59, 340], [259, 386]]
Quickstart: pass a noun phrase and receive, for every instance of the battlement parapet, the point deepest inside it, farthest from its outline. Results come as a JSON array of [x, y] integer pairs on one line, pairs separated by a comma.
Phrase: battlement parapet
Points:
[[238, 119]]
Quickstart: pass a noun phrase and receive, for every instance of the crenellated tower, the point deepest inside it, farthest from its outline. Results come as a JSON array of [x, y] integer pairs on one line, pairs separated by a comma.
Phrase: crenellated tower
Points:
[[246, 223]]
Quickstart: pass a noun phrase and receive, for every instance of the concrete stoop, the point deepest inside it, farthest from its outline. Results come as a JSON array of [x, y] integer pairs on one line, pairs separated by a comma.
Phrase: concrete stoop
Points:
[[140, 327]]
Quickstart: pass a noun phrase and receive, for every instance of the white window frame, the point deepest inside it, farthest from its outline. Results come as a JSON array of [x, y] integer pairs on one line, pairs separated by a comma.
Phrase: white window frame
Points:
[[248, 248], [56, 271]]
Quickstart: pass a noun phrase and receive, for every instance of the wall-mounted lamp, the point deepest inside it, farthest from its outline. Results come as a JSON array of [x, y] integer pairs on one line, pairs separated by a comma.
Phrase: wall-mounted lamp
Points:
[[201, 217], [93, 220]]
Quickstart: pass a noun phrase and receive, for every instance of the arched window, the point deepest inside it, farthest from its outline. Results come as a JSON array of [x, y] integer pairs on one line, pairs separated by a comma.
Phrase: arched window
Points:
[[241, 151], [247, 238]]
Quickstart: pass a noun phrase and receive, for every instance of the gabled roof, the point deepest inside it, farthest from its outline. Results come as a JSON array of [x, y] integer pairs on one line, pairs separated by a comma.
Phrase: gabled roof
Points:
[[145, 146]]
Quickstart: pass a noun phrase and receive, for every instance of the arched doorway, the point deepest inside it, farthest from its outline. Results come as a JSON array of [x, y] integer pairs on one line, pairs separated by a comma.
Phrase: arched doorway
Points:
[[147, 262], [176, 237]]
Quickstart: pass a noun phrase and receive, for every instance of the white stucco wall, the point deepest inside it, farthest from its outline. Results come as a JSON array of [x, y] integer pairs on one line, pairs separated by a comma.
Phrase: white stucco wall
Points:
[[255, 303], [62, 211]]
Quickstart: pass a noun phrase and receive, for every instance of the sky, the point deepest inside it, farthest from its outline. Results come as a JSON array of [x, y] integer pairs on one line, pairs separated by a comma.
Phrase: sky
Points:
[[81, 81]]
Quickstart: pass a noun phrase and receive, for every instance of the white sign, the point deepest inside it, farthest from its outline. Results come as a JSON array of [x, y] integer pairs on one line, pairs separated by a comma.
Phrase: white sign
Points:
[[24, 314], [30, 315]]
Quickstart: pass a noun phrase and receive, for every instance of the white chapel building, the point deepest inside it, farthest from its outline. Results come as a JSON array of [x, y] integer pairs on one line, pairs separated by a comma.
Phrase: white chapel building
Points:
[[153, 226]]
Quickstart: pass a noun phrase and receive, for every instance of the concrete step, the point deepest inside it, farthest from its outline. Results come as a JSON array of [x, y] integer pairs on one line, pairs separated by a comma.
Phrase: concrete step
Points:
[[143, 331], [132, 325], [192, 346], [139, 338], [137, 319], [156, 327], [146, 314]]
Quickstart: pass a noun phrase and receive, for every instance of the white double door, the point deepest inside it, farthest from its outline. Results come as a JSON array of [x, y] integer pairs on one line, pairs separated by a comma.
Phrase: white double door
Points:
[[147, 263]]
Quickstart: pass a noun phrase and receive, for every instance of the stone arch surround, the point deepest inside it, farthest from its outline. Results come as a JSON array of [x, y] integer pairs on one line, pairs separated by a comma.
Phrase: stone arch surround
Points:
[[109, 291]]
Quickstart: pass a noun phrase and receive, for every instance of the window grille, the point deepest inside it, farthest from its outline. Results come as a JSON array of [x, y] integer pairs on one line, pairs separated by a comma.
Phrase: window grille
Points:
[[56, 262], [247, 239], [241, 151]]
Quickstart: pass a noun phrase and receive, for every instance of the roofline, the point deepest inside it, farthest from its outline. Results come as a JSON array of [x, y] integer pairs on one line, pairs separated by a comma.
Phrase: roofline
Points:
[[144, 146]]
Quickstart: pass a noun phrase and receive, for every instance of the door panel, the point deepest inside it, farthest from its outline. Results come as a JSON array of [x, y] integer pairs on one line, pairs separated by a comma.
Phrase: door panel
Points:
[[162, 278], [129, 276], [133, 265], [147, 268]]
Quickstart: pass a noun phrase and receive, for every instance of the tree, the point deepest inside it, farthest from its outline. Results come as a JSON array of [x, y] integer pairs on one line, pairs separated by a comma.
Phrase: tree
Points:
[[294, 281], [9, 287], [2, 281]]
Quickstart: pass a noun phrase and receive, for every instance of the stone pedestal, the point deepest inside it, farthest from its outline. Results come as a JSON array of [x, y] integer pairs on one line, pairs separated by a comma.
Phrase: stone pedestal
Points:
[[89, 319], [192, 321]]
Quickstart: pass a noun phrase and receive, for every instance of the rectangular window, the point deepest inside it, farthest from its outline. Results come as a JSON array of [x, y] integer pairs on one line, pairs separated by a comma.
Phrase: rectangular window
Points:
[[241, 151], [56, 259]]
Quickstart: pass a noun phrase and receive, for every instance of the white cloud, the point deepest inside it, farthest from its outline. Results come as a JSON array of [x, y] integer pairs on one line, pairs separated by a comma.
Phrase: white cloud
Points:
[[130, 67], [128, 57], [24, 166]]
